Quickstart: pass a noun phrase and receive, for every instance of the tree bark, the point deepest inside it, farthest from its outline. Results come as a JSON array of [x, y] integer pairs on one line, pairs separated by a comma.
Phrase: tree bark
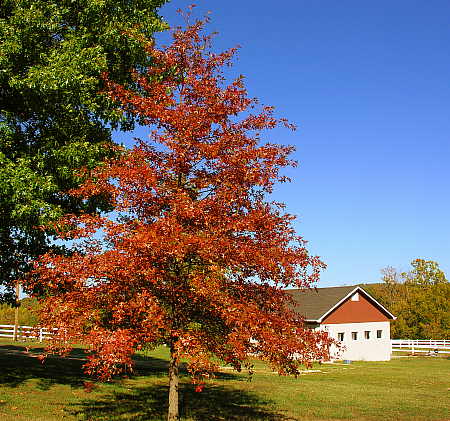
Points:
[[173, 412], [16, 312]]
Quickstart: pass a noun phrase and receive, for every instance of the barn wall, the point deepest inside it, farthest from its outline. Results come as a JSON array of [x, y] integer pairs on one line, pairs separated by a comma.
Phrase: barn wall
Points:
[[356, 312], [361, 349]]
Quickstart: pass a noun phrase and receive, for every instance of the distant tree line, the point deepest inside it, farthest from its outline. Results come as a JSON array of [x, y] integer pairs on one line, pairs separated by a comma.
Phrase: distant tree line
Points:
[[419, 298], [27, 313]]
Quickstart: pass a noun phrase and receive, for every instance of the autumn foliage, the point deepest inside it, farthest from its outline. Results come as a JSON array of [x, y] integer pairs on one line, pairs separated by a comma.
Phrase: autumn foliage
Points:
[[194, 256]]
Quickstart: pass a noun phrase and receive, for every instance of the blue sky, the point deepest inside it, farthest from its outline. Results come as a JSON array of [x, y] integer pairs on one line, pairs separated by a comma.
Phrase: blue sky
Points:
[[368, 85]]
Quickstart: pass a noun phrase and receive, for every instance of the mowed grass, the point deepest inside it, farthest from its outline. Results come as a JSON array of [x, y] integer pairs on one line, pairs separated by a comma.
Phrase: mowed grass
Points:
[[415, 388]]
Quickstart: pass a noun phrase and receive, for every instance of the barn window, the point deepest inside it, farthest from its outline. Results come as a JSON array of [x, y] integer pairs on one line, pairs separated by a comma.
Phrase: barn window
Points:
[[367, 334], [354, 336], [379, 332], [355, 297], [341, 336]]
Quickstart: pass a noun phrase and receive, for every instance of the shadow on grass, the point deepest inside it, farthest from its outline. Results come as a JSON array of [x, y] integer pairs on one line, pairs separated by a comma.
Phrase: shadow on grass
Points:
[[150, 404], [17, 367], [216, 402]]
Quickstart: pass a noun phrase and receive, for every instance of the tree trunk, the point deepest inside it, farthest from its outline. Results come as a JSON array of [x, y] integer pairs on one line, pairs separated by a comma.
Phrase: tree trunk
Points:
[[16, 312], [173, 413]]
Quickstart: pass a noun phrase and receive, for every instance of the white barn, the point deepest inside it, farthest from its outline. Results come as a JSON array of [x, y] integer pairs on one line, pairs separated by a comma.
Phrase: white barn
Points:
[[351, 316]]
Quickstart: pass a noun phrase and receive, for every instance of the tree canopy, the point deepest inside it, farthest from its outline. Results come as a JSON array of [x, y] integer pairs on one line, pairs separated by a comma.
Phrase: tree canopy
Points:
[[195, 257], [53, 116], [419, 298]]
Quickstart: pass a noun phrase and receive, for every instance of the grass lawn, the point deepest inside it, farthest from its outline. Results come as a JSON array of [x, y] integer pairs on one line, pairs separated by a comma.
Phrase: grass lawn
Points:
[[410, 388]]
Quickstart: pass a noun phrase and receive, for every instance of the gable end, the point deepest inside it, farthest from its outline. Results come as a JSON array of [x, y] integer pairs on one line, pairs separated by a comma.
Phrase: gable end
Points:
[[356, 311]]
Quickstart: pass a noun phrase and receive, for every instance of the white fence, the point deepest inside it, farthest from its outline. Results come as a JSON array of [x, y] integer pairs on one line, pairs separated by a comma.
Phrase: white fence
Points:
[[24, 332], [428, 346]]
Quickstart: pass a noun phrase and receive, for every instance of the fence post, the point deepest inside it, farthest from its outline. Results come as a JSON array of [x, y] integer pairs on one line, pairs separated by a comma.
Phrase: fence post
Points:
[[40, 334]]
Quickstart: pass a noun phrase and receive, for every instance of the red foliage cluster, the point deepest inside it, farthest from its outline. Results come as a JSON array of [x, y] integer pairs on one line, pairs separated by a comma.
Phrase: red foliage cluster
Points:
[[197, 259]]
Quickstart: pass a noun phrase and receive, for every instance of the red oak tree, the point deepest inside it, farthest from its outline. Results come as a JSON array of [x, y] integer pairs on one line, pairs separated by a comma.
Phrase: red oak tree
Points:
[[195, 257]]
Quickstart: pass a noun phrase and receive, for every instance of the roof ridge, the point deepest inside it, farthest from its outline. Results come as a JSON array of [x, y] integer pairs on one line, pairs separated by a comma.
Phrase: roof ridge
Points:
[[313, 288], [315, 306]]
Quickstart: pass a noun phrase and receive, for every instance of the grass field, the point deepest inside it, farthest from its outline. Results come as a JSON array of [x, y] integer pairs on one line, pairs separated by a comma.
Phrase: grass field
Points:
[[416, 388]]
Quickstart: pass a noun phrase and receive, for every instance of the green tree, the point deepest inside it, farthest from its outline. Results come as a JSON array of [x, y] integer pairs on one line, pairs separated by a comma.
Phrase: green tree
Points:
[[420, 298], [53, 116], [425, 272], [28, 312]]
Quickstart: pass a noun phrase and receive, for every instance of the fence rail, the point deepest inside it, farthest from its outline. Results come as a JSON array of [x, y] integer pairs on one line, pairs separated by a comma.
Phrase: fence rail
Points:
[[429, 346], [25, 332]]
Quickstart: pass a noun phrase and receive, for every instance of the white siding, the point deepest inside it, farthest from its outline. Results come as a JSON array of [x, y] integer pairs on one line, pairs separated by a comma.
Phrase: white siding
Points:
[[361, 349]]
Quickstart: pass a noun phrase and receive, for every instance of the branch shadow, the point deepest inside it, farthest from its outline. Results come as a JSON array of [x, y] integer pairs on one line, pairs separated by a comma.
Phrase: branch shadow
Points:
[[18, 366], [214, 403]]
